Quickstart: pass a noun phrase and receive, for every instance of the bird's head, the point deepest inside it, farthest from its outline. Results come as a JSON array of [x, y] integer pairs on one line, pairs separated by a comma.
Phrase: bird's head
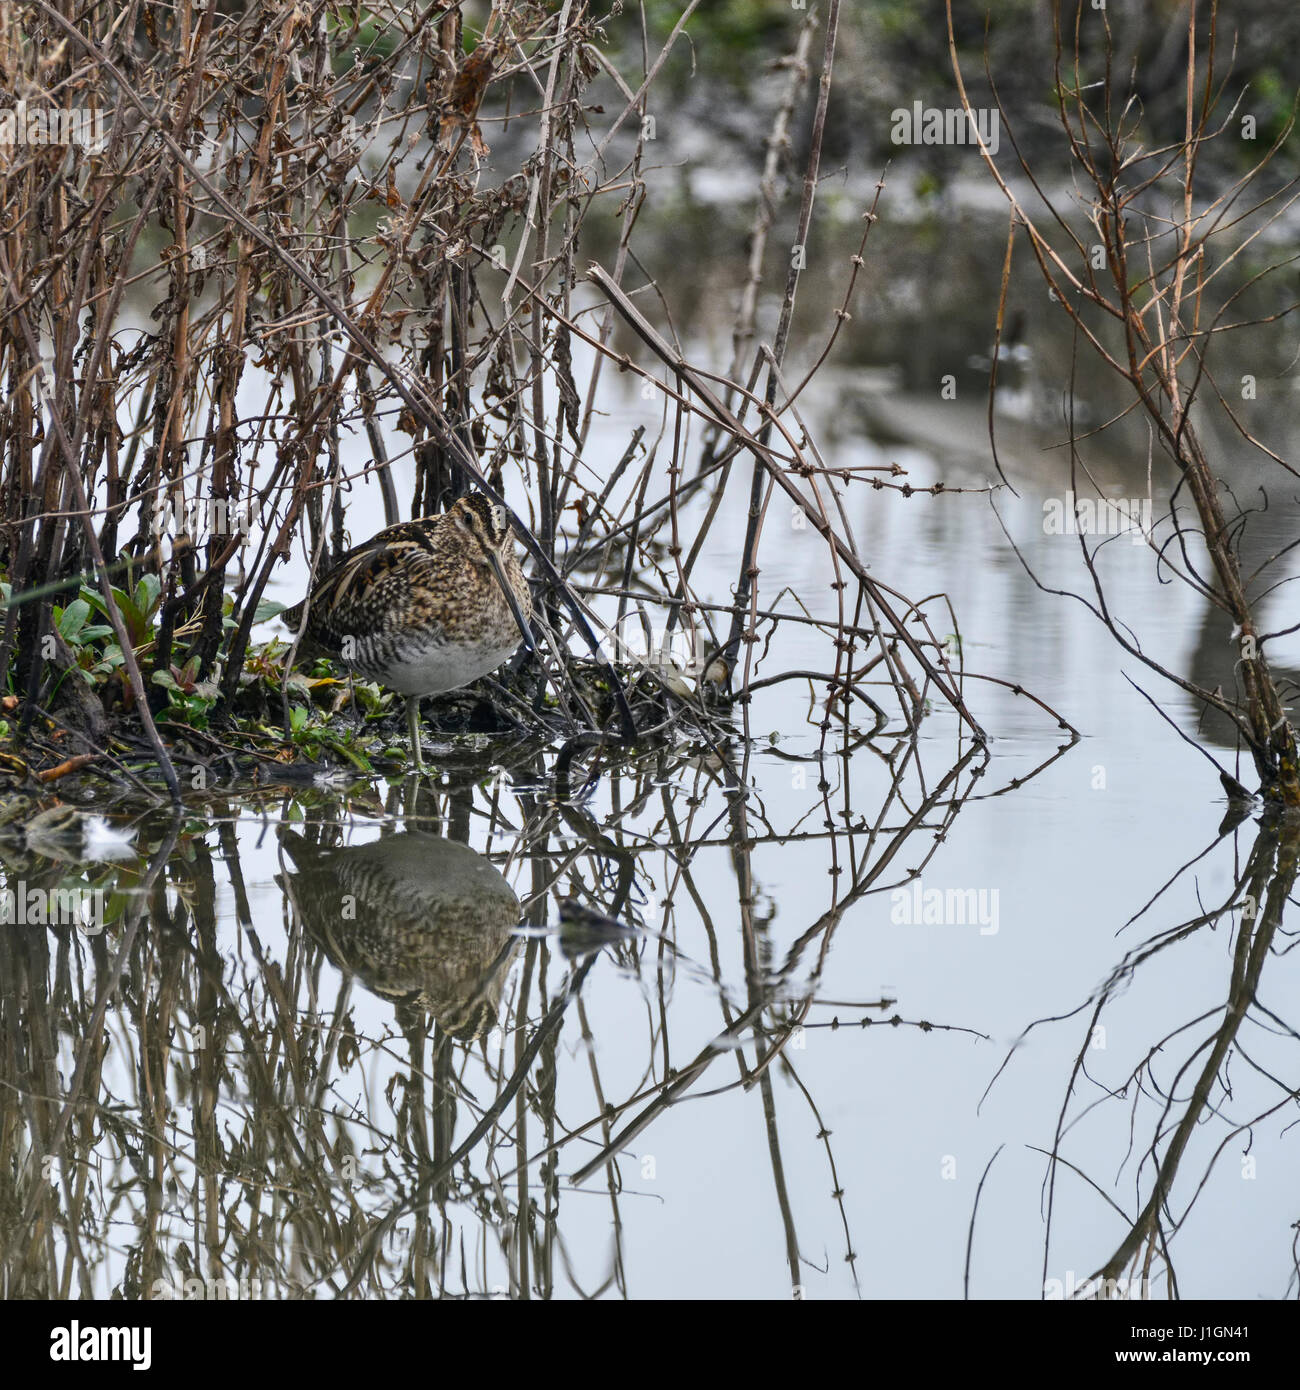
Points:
[[484, 521]]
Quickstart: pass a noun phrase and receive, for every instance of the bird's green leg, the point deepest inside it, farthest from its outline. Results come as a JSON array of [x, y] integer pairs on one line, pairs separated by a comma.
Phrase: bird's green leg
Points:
[[413, 727]]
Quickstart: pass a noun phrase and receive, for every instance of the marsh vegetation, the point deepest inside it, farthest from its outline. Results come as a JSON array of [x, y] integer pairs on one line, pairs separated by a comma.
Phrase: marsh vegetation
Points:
[[768, 901]]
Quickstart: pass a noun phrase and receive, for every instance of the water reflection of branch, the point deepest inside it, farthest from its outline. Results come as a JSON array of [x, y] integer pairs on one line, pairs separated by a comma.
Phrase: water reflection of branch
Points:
[[1270, 876], [317, 1149], [766, 987], [527, 1055], [1260, 891], [87, 1074]]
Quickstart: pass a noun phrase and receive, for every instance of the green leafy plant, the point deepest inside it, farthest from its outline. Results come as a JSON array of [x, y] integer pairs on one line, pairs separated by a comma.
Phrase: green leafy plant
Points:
[[190, 700], [138, 606], [76, 629]]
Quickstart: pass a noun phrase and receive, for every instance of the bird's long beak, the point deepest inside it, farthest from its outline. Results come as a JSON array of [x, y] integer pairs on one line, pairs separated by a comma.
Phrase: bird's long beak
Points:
[[524, 630]]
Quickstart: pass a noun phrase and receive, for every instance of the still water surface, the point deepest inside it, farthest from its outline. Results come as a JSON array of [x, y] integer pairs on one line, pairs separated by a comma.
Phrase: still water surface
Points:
[[330, 1012]]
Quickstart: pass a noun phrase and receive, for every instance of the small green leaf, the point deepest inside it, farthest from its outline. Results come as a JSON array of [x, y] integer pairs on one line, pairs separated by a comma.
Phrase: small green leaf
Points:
[[147, 593], [73, 619], [268, 609], [95, 599]]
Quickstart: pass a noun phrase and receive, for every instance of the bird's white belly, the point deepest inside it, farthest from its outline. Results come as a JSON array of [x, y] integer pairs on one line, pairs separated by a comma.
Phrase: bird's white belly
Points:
[[435, 669]]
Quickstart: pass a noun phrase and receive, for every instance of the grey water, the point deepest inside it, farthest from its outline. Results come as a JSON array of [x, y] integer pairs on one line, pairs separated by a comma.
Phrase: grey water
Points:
[[787, 1069]]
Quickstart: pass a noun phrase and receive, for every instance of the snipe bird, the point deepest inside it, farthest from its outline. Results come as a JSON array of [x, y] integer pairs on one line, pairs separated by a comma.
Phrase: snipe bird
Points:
[[423, 607]]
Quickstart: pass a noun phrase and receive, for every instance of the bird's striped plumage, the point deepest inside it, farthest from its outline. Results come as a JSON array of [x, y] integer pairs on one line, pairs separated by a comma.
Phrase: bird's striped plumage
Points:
[[423, 607]]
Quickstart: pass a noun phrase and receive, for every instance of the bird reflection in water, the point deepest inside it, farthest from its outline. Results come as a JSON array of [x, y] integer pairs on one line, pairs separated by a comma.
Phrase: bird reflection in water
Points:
[[424, 921]]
